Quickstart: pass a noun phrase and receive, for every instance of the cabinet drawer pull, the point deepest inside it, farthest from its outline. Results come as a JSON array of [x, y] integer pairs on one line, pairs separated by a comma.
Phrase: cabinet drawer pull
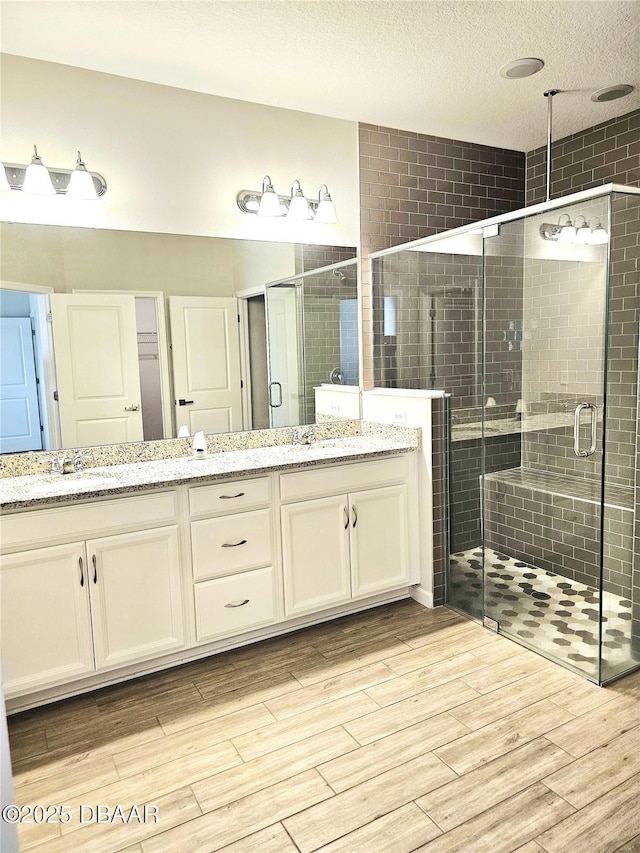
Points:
[[95, 568], [80, 561], [346, 517], [231, 497], [234, 544], [237, 603], [355, 514]]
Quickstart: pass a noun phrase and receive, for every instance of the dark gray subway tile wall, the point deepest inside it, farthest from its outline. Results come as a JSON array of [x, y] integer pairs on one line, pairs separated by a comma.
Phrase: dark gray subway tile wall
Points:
[[606, 153], [440, 498], [311, 257], [436, 340], [324, 347], [413, 185]]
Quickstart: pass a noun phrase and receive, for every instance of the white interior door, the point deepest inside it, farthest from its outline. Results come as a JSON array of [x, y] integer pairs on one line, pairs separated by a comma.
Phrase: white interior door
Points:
[[19, 412], [206, 363], [97, 368], [284, 366]]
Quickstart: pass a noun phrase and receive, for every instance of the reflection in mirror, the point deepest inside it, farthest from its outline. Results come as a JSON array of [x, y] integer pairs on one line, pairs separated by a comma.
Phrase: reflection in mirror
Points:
[[312, 326], [111, 336]]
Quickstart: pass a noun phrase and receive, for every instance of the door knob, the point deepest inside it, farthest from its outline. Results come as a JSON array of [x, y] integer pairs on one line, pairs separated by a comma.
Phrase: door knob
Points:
[[134, 408], [185, 402]]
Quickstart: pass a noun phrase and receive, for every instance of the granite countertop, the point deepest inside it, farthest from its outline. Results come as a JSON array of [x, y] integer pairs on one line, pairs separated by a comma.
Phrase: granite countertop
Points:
[[46, 489]]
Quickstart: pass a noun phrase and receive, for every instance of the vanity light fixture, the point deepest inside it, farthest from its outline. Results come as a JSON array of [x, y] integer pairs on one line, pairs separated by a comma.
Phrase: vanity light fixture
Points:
[[599, 236], [298, 204], [583, 232], [295, 206], [326, 210], [269, 204], [37, 179], [567, 232], [81, 183], [5, 186]]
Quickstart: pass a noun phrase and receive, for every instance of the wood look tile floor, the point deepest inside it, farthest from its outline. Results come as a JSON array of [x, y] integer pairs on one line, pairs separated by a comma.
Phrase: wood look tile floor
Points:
[[395, 730]]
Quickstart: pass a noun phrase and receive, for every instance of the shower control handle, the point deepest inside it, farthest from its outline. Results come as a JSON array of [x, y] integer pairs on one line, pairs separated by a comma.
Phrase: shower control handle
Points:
[[582, 454]]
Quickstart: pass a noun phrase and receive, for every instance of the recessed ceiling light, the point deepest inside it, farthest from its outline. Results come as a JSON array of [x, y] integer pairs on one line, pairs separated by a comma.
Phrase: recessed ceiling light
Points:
[[611, 93], [521, 68]]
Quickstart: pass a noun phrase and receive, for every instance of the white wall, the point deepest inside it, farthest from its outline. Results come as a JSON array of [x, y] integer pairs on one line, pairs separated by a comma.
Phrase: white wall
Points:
[[71, 258], [174, 160]]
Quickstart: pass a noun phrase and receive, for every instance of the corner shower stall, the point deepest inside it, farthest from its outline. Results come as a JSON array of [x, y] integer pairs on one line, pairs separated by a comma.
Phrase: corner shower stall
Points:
[[528, 324]]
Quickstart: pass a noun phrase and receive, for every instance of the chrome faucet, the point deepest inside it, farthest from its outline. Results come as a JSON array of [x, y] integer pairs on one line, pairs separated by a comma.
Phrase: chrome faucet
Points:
[[304, 436], [65, 464]]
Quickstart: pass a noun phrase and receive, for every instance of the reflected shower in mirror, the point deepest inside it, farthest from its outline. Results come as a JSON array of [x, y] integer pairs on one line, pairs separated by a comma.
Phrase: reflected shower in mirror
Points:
[[112, 336]]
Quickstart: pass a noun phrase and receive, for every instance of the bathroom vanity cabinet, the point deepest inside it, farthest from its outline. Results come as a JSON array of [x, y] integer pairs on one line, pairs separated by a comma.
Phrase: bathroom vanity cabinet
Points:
[[86, 606], [105, 589], [344, 534]]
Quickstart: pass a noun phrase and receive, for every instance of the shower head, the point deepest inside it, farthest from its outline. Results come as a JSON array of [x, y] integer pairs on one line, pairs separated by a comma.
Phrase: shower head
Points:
[[339, 274]]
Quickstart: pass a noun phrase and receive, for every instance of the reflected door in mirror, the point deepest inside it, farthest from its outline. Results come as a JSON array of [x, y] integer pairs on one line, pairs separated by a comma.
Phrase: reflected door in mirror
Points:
[[19, 409], [205, 349], [284, 340], [97, 369]]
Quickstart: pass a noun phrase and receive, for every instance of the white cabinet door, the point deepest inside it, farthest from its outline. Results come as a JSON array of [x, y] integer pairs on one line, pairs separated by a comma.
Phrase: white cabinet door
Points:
[[315, 558], [46, 628], [136, 598], [379, 540], [206, 363], [96, 351]]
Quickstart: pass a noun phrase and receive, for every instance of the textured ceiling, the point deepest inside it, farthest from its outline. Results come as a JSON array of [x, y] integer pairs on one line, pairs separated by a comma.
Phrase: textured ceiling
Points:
[[425, 66]]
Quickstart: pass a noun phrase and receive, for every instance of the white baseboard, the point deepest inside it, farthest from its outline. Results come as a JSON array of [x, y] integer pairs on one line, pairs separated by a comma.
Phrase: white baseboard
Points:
[[422, 595]]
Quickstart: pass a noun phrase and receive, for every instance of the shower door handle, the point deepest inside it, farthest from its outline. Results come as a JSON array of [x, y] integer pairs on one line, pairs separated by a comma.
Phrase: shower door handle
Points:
[[576, 429], [271, 403]]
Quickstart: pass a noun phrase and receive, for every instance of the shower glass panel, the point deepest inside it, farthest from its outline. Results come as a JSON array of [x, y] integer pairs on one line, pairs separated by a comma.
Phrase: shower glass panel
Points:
[[620, 640], [312, 339], [427, 334], [286, 355], [545, 367], [330, 310], [531, 334]]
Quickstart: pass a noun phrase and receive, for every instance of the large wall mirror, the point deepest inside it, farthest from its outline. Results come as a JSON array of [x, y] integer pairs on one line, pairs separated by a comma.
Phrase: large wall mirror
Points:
[[113, 336]]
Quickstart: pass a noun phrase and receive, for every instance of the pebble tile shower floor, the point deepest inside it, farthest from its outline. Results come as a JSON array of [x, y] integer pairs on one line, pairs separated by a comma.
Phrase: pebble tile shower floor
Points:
[[548, 612]]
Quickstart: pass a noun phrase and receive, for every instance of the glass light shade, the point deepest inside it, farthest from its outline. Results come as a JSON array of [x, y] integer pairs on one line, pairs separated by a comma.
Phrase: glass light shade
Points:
[[4, 183], [269, 203], [81, 183], [567, 234], [599, 236], [583, 235], [299, 207], [37, 179], [326, 212]]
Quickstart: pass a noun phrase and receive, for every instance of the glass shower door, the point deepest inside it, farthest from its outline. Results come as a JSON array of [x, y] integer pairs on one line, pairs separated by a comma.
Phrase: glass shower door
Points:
[[285, 356], [544, 381]]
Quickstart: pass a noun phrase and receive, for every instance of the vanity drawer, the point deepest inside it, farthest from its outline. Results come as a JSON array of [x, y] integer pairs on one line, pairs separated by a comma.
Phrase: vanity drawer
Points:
[[234, 604], [343, 478], [234, 496], [232, 543], [103, 515]]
